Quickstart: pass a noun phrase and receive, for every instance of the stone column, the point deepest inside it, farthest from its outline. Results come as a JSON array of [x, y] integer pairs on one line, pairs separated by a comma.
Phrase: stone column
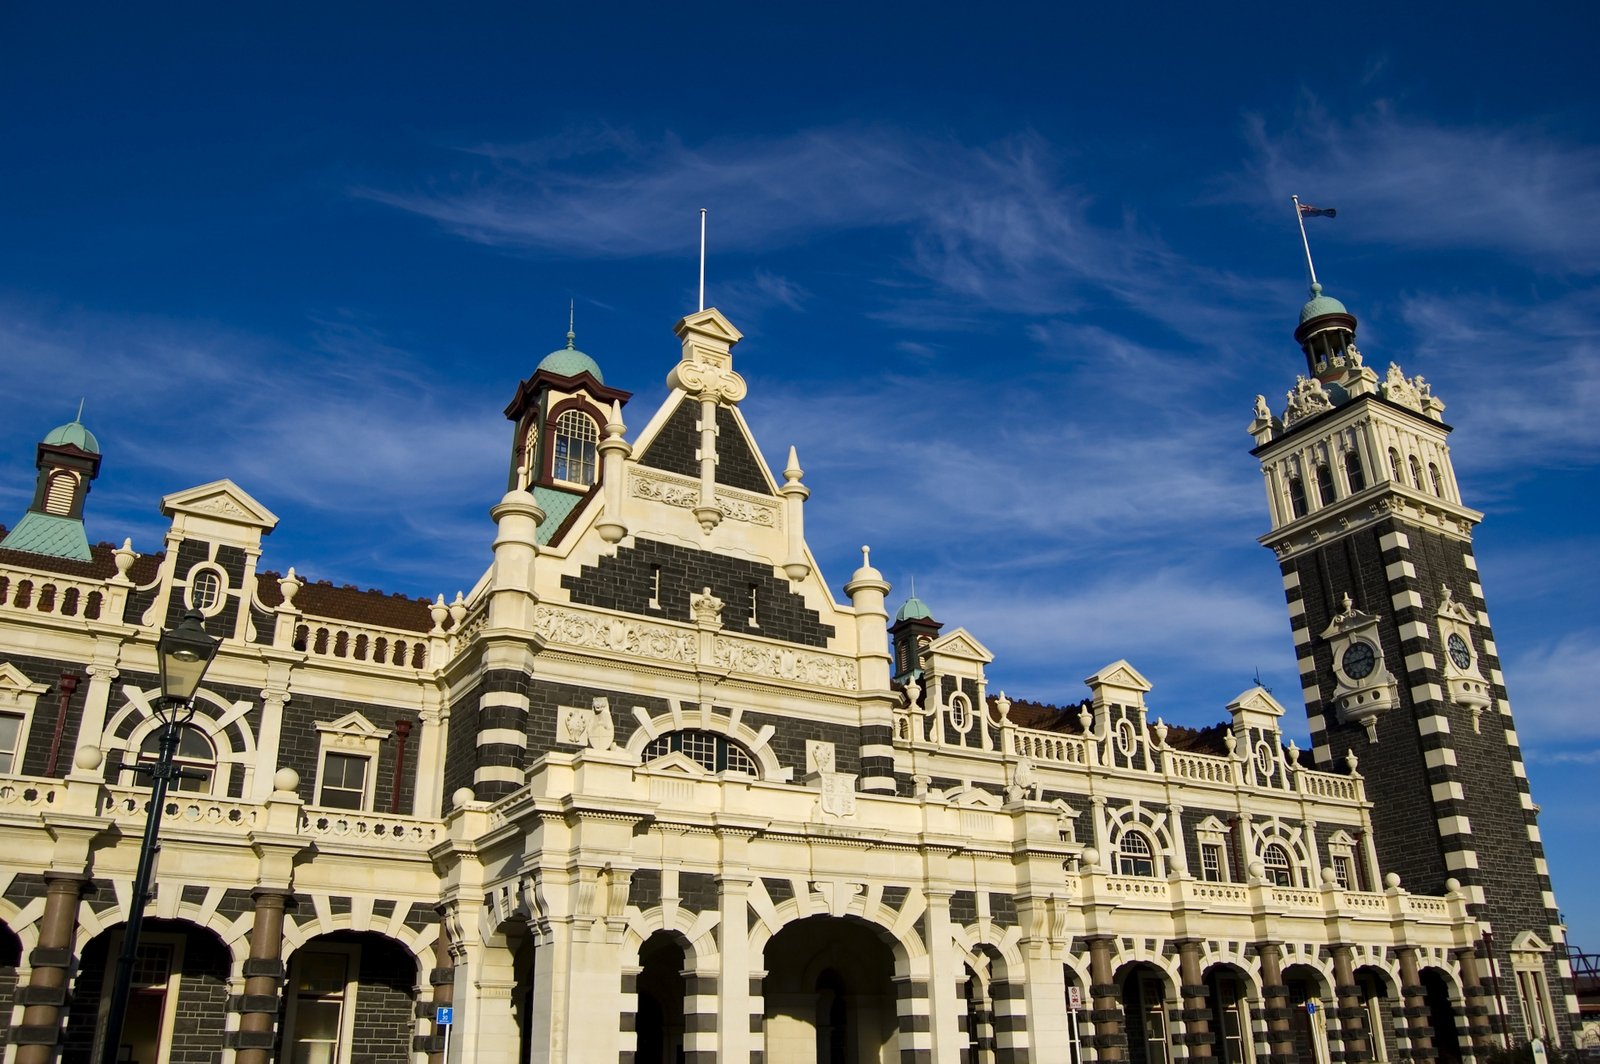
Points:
[[1196, 1010], [1352, 1017], [1419, 1033], [263, 978], [1280, 1036], [39, 1032], [1109, 1041], [945, 1005], [442, 978], [1042, 982], [734, 1037], [1479, 1006]]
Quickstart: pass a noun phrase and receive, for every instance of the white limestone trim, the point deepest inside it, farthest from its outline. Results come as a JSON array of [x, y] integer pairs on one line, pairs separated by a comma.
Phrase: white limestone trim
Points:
[[506, 736], [498, 774]]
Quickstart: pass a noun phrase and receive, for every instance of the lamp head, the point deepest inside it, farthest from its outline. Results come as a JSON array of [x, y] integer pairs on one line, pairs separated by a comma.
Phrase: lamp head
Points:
[[185, 652]]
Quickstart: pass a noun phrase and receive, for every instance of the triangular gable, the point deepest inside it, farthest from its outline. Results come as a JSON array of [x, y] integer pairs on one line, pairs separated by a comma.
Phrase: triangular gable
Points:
[[1256, 700], [1528, 942], [1211, 826], [1120, 674], [220, 511], [676, 763], [961, 644], [352, 731], [17, 692]]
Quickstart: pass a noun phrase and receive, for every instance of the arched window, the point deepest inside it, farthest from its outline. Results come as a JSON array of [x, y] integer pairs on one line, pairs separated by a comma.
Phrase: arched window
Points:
[[1324, 483], [1416, 471], [575, 441], [58, 493], [1353, 471], [1297, 497], [1135, 857], [205, 589], [1438, 481], [195, 756], [1394, 465], [712, 752], [1280, 870]]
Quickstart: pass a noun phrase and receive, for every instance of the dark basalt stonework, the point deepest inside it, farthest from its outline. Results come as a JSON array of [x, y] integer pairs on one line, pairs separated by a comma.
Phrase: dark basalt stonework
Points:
[[675, 448], [625, 580]]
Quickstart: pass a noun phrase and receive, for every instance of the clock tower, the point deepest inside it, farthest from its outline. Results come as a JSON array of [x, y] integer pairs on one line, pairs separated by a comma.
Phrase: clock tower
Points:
[[1397, 659]]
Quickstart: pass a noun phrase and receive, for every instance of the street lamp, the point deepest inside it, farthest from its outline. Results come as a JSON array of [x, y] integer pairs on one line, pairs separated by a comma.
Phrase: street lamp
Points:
[[184, 653]]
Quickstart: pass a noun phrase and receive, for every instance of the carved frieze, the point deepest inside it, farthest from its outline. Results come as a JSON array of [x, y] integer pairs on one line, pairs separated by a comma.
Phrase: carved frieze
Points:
[[784, 663], [682, 492], [617, 634]]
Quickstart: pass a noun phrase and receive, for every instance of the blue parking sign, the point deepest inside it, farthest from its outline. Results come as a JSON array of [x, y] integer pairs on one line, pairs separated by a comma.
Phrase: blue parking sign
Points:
[[444, 1016]]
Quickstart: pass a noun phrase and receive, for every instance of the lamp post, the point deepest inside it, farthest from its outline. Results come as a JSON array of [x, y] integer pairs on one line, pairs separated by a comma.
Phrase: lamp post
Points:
[[184, 653]]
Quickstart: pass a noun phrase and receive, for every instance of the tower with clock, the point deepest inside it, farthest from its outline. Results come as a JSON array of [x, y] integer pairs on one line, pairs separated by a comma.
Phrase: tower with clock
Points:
[[1397, 660]]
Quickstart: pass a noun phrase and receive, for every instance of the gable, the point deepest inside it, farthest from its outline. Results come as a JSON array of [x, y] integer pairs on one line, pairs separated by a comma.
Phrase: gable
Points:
[[676, 449], [961, 644]]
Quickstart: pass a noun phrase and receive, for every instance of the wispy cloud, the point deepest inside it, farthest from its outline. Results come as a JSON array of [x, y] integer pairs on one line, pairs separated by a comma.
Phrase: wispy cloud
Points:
[[1523, 191], [1552, 687]]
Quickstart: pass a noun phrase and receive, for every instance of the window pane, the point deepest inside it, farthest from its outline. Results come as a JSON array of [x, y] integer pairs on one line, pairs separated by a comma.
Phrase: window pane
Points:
[[10, 731]]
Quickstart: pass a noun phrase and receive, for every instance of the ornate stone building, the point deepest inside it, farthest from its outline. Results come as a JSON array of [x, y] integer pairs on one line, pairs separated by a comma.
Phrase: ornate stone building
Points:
[[653, 792]]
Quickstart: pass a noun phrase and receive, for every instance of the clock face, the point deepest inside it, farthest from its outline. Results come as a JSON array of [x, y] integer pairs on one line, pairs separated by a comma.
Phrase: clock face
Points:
[[1460, 653], [1359, 660]]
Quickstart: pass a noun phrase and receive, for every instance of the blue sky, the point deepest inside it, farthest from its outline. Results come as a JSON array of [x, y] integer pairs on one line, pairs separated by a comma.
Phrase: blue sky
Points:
[[1009, 281]]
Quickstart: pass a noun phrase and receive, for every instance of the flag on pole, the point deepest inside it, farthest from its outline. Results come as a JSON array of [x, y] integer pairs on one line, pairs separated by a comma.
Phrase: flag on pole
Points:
[[1308, 211]]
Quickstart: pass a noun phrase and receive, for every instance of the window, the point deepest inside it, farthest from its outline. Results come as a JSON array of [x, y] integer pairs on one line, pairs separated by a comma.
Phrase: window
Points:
[[205, 590], [1416, 472], [1344, 871], [1134, 855], [58, 493], [1438, 481], [1297, 497], [655, 587], [576, 439], [710, 751], [343, 783], [195, 756], [10, 741], [751, 619], [1353, 471], [1280, 871], [1211, 862], [1324, 483], [318, 1011], [1229, 1003], [1394, 465]]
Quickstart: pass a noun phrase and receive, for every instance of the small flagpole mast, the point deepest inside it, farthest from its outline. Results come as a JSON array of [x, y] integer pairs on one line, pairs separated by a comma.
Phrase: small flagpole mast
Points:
[[703, 258], [1299, 216]]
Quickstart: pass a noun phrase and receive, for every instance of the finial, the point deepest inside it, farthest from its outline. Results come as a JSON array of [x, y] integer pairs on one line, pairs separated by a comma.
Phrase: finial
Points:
[[866, 556], [522, 477], [913, 585], [79, 419], [572, 315]]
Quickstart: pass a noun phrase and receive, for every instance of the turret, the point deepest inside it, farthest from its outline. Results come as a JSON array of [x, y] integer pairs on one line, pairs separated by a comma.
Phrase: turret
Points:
[[68, 459]]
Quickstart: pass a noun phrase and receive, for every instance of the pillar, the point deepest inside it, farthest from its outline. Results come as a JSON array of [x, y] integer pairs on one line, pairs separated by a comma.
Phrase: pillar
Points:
[[263, 980], [1196, 1009], [1352, 1017], [945, 1003], [1042, 983], [442, 978], [40, 1030], [1280, 1036], [1479, 1007], [734, 1036], [1109, 1041], [1419, 1033]]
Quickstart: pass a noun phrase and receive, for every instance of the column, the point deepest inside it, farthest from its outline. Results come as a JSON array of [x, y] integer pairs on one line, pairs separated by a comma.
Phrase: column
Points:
[[1419, 1033], [1109, 1041], [733, 935], [40, 1030], [1280, 1036], [1041, 984], [263, 978], [1352, 1017], [911, 1010], [1479, 1007], [1196, 1011], [442, 978], [945, 1004]]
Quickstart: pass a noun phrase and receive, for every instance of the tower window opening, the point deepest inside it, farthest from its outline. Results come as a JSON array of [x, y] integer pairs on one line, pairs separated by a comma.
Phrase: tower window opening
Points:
[[1438, 481], [1324, 484], [655, 587], [1280, 870], [1135, 857], [1297, 497], [576, 440], [751, 620], [58, 493], [1353, 471], [1394, 466], [1416, 472]]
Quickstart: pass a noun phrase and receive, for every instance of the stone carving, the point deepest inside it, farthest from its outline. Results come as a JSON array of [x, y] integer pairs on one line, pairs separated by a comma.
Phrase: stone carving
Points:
[[707, 609], [839, 794], [615, 634], [705, 381], [753, 513], [785, 664], [1262, 413], [819, 756], [1306, 399], [1397, 389], [659, 489], [222, 505], [1023, 783], [655, 487]]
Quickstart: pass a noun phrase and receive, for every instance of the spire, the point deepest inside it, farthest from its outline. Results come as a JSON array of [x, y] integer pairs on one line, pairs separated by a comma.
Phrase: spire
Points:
[[572, 315]]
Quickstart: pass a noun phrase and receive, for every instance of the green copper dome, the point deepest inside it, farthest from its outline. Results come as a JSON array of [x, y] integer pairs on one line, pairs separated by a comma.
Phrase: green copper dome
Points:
[[73, 433], [569, 362], [914, 609], [1319, 305]]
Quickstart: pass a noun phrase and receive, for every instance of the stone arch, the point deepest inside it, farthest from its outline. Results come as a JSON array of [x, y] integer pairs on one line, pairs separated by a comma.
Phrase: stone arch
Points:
[[836, 989], [1234, 998], [363, 979], [1443, 1001], [896, 929], [1274, 833], [708, 718], [1154, 823], [302, 928], [698, 931], [232, 933], [1379, 996], [223, 722], [1147, 988], [23, 923]]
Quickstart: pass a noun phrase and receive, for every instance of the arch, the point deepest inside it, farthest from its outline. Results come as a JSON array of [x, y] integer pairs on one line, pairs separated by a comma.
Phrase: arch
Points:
[[574, 445], [1146, 991], [1354, 472], [223, 723], [1416, 471], [344, 982], [169, 906], [712, 751], [306, 927], [755, 743], [1297, 497], [1378, 991], [1394, 466], [1326, 494], [1293, 847], [1307, 983], [1435, 479], [1441, 996], [660, 991], [831, 992], [895, 929], [1135, 855], [1154, 827], [1233, 995]]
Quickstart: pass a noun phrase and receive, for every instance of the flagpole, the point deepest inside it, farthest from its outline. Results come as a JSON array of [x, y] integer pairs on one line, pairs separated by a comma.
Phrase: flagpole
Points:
[[703, 258], [1300, 217]]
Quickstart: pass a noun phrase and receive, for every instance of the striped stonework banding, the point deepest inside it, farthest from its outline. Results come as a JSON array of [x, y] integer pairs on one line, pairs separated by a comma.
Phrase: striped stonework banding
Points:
[[628, 1019], [700, 1018], [502, 737], [916, 1029], [877, 759], [1010, 1023], [758, 1020], [965, 1020]]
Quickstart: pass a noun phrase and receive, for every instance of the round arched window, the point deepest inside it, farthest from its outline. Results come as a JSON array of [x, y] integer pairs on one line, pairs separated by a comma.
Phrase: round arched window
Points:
[[1135, 856], [712, 752], [1280, 870], [576, 441]]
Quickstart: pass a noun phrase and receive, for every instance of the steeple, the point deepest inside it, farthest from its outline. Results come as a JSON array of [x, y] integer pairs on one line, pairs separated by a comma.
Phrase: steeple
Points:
[[68, 459]]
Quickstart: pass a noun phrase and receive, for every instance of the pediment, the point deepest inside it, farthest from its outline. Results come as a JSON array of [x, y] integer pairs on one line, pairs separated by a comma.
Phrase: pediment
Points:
[[1256, 700], [974, 798], [961, 644], [709, 323], [354, 724], [1212, 826], [221, 500], [17, 692], [1341, 838], [677, 763], [1528, 942], [1120, 674]]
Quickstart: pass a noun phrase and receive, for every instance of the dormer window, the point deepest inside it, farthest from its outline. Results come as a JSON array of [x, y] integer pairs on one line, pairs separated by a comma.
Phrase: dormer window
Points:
[[576, 442]]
